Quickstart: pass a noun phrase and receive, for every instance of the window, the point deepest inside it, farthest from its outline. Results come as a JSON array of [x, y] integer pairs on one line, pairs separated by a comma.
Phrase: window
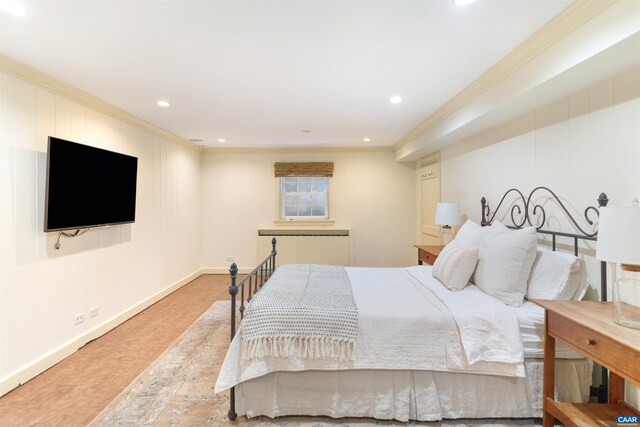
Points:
[[303, 189], [304, 197]]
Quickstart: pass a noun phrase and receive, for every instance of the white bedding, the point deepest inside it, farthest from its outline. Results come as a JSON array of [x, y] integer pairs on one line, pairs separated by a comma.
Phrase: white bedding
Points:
[[488, 328], [531, 320], [408, 320]]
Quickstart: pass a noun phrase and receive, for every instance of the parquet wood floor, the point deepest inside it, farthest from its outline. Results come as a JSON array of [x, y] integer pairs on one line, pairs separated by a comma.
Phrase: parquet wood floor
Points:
[[74, 391]]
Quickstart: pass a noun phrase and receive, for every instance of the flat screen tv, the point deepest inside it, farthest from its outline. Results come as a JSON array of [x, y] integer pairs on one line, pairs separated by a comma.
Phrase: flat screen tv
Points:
[[88, 187]]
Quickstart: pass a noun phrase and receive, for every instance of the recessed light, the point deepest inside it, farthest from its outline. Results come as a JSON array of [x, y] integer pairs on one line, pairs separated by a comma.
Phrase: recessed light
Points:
[[463, 2], [222, 140], [163, 103], [14, 8], [395, 100], [366, 139], [306, 131]]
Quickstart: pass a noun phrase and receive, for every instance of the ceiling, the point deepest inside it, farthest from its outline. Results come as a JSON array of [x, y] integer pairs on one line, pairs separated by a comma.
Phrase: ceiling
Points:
[[273, 73]]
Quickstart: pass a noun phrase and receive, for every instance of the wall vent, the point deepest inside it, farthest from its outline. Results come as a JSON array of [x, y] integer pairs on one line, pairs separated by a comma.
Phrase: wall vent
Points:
[[304, 232]]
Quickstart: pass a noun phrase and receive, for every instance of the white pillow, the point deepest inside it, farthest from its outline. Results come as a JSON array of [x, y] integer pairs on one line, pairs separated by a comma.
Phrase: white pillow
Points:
[[557, 275], [470, 235], [455, 265], [504, 262]]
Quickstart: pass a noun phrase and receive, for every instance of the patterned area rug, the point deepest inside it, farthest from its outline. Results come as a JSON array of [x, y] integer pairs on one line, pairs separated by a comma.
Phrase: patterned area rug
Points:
[[177, 389]]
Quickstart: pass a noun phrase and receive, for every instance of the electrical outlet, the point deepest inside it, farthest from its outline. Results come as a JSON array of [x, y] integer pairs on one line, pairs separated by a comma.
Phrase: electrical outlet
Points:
[[78, 318], [231, 259], [94, 311]]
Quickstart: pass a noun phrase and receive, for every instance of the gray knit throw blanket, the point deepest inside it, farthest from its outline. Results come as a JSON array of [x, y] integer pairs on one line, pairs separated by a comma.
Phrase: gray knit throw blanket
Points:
[[304, 311]]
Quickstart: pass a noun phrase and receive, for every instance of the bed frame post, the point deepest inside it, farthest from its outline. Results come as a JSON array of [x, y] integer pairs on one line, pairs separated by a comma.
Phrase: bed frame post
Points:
[[233, 291], [485, 208], [273, 256], [603, 391], [603, 200]]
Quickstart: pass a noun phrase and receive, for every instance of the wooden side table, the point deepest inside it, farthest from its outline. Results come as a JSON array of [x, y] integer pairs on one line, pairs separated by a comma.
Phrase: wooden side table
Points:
[[428, 254], [587, 326]]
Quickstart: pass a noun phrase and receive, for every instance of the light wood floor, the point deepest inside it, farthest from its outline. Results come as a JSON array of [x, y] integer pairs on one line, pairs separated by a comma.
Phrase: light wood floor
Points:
[[75, 390]]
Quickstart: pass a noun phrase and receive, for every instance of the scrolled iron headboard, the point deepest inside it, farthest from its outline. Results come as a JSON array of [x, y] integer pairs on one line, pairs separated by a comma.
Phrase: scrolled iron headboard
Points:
[[530, 211]]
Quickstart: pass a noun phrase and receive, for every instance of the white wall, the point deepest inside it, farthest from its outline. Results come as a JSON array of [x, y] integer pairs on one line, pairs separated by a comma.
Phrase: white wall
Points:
[[373, 195], [580, 146], [119, 268]]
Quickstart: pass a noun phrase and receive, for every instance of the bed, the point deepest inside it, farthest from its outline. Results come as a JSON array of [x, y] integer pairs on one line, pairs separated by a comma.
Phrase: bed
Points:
[[417, 343]]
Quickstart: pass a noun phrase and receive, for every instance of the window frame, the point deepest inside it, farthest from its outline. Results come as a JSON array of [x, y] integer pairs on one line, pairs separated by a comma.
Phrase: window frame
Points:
[[297, 218]]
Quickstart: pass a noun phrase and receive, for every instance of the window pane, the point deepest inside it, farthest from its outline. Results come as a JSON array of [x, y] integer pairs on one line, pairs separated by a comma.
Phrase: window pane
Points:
[[291, 210], [291, 200], [304, 211], [318, 211], [305, 186], [303, 202], [320, 187], [290, 187]]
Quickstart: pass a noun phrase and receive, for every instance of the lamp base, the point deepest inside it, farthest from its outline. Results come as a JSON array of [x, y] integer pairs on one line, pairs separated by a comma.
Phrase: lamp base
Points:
[[626, 303], [446, 235], [635, 324]]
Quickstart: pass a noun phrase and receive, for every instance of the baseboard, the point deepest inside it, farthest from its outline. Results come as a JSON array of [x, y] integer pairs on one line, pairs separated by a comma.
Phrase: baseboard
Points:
[[23, 375]]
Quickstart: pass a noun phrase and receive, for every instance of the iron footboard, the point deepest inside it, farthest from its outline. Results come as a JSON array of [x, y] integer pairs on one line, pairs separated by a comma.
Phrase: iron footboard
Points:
[[255, 280]]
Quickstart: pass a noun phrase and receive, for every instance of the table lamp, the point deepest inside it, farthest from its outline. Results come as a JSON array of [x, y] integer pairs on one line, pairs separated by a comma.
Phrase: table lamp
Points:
[[447, 214], [619, 242]]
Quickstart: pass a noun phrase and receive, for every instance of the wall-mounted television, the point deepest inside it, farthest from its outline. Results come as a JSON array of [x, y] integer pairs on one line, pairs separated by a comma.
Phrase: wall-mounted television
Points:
[[88, 187]]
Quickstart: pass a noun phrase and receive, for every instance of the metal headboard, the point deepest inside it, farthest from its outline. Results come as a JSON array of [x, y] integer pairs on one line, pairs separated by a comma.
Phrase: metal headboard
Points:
[[525, 212]]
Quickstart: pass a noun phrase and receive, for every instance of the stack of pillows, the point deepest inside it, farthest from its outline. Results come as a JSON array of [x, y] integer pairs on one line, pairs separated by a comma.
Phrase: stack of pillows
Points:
[[508, 265]]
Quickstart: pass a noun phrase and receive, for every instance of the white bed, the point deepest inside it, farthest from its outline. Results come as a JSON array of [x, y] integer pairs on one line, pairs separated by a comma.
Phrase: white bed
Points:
[[482, 360], [456, 340]]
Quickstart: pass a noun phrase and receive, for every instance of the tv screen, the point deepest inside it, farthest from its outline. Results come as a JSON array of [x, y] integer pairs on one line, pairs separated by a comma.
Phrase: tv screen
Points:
[[88, 187]]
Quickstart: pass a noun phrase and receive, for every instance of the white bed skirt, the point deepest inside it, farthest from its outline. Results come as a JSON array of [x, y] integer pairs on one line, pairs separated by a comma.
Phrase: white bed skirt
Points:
[[410, 395]]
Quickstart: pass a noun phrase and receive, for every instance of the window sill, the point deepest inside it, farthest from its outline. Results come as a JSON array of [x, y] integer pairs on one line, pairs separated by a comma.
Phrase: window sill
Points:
[[304, 222]]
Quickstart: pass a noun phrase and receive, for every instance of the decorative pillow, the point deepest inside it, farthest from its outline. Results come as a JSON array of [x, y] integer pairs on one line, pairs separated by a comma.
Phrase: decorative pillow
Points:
[[557, 275], [504, 262], [455, 265], [469, 235]]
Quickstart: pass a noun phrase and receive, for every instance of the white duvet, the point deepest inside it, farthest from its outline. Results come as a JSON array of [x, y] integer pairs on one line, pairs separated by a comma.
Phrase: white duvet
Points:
[[408, 320]]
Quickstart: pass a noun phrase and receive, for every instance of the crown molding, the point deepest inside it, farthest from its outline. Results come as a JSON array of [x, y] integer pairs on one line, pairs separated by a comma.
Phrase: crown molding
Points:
[[226, 150], [31, 75], [572, 17]]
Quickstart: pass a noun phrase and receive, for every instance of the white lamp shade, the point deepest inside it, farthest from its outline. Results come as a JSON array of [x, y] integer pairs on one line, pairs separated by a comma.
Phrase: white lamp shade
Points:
[[447, 214], [619, 235]]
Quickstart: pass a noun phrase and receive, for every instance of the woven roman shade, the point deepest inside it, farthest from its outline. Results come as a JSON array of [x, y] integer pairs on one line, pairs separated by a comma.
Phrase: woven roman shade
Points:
[[303, 169]]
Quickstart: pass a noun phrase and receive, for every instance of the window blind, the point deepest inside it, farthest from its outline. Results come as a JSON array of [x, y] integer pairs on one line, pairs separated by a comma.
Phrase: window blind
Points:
[[303, 169]]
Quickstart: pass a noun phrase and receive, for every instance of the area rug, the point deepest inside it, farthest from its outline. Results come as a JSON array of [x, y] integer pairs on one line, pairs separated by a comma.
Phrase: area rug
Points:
[[177, 388]]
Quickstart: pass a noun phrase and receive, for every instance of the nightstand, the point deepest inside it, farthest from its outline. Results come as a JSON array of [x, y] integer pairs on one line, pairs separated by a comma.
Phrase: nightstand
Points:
[[587, 326], [428, 254]]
